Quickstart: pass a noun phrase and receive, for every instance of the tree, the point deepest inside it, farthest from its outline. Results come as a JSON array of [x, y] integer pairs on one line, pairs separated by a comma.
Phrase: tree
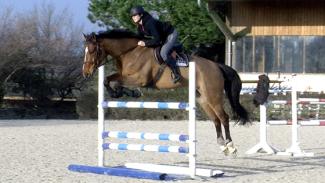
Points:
[[32, 82], [41, 40], [192, 22], [7, 20]]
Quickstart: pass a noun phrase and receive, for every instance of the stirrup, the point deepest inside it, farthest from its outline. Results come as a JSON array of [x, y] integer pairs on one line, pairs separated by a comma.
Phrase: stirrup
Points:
[[177, 78]]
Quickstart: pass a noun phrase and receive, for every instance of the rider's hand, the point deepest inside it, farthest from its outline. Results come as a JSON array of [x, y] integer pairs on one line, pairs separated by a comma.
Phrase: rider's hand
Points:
[[141, 43]]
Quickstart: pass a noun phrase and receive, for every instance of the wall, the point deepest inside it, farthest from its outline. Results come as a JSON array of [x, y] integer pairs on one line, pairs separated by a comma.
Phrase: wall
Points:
[[278, 17]]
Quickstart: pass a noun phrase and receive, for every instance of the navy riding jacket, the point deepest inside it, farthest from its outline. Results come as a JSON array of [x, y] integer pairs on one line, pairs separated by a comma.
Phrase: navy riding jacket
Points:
[[154, 30]]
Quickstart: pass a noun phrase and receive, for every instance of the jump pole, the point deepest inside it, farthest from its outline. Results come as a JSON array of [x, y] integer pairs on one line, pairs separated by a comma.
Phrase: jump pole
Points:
[[122, 171]]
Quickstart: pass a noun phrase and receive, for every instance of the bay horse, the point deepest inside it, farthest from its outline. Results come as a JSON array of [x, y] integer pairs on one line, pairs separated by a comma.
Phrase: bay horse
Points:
[[137, 67]]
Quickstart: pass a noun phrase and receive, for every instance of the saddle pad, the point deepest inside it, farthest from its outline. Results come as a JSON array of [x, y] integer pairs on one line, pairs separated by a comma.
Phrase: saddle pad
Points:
[[182, 61]]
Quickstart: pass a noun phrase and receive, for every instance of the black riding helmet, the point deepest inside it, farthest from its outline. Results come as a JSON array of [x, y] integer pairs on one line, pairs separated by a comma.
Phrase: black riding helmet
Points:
[[138, 10]]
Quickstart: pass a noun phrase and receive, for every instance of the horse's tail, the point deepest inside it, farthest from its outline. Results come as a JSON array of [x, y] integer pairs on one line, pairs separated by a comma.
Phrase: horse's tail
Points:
[[233, 86]]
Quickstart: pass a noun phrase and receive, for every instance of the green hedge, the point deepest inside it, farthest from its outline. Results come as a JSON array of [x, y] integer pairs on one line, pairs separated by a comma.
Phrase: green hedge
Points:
[[87, 107]]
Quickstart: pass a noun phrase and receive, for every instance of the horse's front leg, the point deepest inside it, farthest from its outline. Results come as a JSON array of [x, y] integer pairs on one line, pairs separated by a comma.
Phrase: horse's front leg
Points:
[[117, 93], [135, 93], [119, 90]]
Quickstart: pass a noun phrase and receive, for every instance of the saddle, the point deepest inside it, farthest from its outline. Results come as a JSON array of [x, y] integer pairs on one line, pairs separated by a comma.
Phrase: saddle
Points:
[[181, 58], [178, 54]]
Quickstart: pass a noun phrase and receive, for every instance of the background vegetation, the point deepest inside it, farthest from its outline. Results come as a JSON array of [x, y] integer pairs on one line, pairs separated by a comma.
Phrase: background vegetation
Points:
[[40, 55]]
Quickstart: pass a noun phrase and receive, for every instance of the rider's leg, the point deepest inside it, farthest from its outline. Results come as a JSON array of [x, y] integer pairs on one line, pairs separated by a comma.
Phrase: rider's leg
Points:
[[171, 63], [165, 54]]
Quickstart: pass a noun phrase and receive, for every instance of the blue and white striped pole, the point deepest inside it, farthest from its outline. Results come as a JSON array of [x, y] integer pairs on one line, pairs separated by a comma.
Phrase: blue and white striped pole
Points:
[[143, 147], [145, 105], [121, 171], [144, 135]]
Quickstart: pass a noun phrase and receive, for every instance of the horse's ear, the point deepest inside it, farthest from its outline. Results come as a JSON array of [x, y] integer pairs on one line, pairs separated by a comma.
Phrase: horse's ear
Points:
[[85, 36], [93, 37]]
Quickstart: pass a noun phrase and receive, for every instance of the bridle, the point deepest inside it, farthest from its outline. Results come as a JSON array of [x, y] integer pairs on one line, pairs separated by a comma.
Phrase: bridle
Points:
[[98, 54]]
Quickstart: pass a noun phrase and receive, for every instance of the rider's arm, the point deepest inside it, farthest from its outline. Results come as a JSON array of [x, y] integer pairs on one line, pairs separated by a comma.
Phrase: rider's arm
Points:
[[155, 36]]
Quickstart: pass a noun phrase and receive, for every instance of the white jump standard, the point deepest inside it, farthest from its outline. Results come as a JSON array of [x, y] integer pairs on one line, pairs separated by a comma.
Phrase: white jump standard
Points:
[[294, 149]]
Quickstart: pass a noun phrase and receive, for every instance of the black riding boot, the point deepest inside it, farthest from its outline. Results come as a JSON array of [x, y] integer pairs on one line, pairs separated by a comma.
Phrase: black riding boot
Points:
[[172, 65]]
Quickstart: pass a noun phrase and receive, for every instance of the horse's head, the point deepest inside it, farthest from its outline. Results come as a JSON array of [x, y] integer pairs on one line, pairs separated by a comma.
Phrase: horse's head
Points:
[[116, 43], [94, 55]]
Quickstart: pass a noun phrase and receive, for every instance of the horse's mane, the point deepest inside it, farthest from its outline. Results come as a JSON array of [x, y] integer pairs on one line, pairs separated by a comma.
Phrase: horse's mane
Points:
[[117, 34]]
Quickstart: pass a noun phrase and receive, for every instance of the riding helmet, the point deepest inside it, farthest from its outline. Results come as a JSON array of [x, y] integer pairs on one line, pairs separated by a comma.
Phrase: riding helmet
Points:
[[138, 10]]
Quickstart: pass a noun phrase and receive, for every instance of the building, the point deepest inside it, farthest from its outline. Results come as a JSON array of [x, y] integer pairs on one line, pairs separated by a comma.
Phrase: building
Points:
[[276, 37]]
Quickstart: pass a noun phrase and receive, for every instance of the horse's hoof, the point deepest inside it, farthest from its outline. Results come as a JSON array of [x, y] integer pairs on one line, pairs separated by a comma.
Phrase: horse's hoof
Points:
[[232, 149], [115, 95], [225, 150], [136, 93]]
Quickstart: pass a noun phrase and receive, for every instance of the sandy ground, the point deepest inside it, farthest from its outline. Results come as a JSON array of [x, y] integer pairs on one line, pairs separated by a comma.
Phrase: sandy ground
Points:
[[41, 150]]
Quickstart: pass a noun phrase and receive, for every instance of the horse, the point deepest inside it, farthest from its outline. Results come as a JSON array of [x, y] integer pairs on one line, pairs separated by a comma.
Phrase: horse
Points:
[[138, 67]]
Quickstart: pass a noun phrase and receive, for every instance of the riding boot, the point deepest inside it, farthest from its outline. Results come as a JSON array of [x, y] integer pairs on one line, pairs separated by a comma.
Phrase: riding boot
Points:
[[172, 65]]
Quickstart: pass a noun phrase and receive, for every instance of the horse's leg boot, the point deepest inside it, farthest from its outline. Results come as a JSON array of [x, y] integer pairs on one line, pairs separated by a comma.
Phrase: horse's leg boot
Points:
[[225, 150], [231, 148]]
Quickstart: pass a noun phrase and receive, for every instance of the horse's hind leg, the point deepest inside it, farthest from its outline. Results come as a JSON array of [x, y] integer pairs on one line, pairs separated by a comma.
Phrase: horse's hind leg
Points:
[[224, 118], [212, 116]]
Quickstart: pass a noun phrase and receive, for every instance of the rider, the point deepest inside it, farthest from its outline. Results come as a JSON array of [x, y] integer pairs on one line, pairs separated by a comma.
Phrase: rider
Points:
[[161, 33]]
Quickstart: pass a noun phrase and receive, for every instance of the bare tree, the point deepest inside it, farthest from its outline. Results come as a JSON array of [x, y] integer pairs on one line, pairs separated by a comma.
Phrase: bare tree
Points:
[[42, 38]]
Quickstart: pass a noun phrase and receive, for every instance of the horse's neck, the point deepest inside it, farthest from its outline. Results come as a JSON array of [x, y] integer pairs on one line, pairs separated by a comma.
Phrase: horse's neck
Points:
[[119, 47]]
